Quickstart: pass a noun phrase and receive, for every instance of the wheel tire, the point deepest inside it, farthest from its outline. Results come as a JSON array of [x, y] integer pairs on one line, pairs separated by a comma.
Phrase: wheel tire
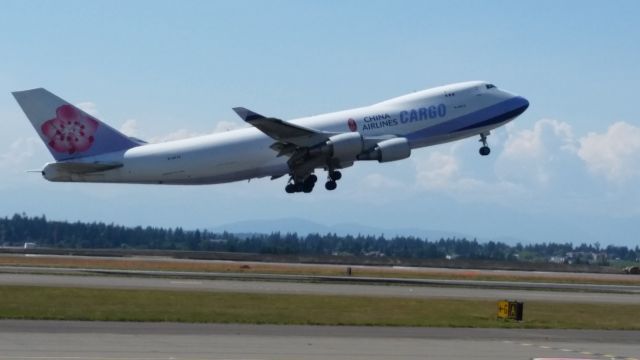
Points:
[[290, 188], [307, 187], [331, 185], [485, 150], [336, 175], [311, 179]]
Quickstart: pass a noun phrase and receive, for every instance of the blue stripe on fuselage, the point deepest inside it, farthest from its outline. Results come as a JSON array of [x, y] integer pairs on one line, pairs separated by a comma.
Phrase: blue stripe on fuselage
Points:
[[494, 114]]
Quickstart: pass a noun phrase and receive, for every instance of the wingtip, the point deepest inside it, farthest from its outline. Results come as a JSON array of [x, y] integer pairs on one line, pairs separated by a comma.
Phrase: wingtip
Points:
[[246, 114], [242, 112]]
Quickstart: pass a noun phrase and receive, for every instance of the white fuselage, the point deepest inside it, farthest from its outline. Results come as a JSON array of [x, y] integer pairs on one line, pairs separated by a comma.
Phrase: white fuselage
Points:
[[425, 118]]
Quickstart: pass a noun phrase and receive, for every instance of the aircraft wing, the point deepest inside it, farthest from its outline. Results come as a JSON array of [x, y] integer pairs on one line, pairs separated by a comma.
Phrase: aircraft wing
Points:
[[282, 131]]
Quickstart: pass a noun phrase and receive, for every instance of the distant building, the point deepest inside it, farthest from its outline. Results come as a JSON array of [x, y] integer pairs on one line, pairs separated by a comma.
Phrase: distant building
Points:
[[374, 254], [558, 260], [30, 245], [341, 253], [584, 257]]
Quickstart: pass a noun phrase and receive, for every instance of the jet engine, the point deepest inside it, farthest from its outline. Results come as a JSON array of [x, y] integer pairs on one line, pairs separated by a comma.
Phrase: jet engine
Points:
[[344, 147], [388, 150]]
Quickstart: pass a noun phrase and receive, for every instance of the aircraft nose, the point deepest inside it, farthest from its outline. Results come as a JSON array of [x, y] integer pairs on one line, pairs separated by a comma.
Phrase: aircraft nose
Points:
[[521, 104], [525, 102]]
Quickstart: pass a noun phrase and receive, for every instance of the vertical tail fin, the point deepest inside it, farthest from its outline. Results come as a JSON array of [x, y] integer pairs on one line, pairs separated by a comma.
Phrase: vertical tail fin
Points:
[[69, 132]]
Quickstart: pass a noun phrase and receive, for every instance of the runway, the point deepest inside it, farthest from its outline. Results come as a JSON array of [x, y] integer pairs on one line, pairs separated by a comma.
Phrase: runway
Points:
[[57, 340], [71, 340], [248, 286]]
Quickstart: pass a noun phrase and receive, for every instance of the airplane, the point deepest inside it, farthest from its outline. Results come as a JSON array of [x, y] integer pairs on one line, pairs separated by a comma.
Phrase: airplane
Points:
[[88, 150]]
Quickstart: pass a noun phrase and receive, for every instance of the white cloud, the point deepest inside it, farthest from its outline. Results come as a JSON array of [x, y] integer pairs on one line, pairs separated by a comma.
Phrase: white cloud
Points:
[[88, 107], [544, 168], [533, 155], [222, 126], [614, 154], [180, 134], [377, 181], [531, 142], [20, 151], [22, 155], [176, 135], [437, 171], [444, 172], [130, 127]]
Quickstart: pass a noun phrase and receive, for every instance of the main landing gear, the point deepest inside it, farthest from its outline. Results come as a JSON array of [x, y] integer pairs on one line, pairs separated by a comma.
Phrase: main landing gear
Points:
[[307, 185], [484, 150], [331, 183]]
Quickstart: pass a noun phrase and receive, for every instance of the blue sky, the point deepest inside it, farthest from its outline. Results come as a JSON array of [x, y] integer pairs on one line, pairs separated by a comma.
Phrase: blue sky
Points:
[[566, 170]]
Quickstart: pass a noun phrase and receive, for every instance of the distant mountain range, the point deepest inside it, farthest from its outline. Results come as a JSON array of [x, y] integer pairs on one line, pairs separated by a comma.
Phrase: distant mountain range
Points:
[[304, 227]]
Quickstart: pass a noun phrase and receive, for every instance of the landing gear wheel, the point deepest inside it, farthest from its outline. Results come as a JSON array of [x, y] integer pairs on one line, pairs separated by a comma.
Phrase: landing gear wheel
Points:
[[290, 188], [309, 183], [331, 185], [311, 179], [335, 175], [485, 150]]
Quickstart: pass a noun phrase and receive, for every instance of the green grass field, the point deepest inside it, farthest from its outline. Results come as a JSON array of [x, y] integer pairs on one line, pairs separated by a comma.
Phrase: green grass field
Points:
[[21, 302]]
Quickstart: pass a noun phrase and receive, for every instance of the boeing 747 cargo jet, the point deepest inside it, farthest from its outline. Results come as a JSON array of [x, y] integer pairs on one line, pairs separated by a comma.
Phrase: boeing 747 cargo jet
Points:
[[88, 150]]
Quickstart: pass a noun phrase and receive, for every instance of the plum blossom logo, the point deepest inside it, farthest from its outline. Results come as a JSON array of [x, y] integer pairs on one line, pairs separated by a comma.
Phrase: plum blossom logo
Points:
[[70, 131], [352, 125]]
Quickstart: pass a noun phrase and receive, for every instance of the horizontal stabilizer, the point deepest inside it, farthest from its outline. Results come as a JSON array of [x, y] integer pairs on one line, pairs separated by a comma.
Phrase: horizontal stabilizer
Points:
[[84, 168]]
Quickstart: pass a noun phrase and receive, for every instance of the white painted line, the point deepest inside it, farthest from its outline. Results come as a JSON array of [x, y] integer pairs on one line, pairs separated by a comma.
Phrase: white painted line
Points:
[[185, 282], [78, 357], [93, 358]]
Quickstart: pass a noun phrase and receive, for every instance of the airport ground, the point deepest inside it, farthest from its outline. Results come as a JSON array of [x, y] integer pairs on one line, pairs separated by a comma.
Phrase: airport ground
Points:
[[55, 340], [34, 339], [164, 263]]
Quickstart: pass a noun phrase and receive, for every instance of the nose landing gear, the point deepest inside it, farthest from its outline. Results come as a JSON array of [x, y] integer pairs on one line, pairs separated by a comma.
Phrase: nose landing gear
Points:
[[484, 150]]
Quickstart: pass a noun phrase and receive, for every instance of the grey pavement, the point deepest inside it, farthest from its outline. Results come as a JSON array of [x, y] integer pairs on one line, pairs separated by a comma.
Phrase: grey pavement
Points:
[[418, 291], [154, 341]]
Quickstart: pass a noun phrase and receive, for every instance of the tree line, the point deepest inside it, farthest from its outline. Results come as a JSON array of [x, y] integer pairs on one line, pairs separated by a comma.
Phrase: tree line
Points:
[[20, 228]]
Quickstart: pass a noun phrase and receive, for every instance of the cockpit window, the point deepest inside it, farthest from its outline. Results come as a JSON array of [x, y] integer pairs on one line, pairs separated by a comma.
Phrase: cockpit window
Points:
[[490, 86]]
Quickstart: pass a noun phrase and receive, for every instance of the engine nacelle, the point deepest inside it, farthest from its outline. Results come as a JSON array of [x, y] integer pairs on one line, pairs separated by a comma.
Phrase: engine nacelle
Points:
[[389, 150], [347, 146]]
